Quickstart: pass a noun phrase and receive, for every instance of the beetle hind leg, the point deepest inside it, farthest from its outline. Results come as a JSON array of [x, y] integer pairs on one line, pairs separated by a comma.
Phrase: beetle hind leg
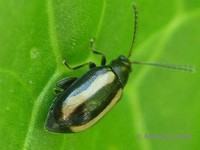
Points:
[[63, 84]]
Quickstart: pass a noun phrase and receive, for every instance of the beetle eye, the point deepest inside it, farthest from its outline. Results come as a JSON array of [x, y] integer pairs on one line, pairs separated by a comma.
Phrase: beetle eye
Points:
[[124, 60], [125, 63]]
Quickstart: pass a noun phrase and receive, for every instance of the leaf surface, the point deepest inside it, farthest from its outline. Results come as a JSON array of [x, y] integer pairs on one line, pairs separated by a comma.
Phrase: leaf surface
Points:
[[37, 35]]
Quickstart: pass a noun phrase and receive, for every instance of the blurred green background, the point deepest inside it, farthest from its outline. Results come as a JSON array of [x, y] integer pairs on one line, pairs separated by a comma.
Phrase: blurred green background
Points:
[[164, 104]]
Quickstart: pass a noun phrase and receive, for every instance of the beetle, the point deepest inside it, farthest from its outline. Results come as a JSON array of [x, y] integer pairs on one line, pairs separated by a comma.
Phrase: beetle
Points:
[[82, 101]]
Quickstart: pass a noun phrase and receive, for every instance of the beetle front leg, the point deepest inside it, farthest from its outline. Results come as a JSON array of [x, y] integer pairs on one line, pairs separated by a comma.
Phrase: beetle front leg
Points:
[[103, 57], [63, 84]]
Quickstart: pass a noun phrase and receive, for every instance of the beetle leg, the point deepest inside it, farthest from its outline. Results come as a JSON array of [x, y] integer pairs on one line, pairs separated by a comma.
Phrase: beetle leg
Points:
[[63, 84], [57, 90], [103, 57], [90, 64]]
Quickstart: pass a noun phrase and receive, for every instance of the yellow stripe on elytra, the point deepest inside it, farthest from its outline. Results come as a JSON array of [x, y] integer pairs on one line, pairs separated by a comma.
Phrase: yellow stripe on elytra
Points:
[[76, 100], [93, 121]]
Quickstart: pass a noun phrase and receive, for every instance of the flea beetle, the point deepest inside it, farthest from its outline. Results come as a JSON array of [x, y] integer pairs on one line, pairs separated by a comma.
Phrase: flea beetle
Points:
[[82, 101]]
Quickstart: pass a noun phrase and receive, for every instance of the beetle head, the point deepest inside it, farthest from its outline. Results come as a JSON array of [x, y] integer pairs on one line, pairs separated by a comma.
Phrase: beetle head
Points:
[[122, 67], [123, 63]]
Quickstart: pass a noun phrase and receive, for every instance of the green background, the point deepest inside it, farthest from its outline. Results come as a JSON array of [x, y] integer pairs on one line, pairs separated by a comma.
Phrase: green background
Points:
[[35, 36]]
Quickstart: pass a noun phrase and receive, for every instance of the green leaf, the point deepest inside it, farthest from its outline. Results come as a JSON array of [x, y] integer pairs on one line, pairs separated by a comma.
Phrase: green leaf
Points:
[[164, 104]]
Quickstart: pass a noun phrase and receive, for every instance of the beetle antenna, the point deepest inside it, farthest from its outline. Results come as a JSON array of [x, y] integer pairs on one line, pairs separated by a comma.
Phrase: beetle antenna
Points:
[[135, 29], [170, 66]]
